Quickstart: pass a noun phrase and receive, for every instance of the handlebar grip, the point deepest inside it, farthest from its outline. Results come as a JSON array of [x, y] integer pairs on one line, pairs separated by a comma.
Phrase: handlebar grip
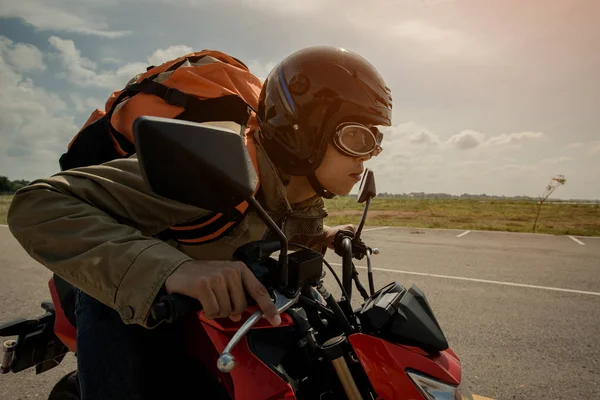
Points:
[[174, 306]]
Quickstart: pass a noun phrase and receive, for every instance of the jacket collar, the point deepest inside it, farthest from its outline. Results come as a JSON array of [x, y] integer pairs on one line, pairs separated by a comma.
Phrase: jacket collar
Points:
[[274, 198]]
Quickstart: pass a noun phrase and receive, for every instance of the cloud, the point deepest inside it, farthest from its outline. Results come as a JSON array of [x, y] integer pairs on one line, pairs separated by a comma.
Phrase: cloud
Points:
[[469, 139], [517, 169], [61, 15], [466, 139], [514, 139], [35, 126], [162, 55], [86, 104], [111, 60], [409, 132], [424, 137], [575, 145], [425, 32], [555, 160], [285, 7], [406, 165], [259, 69], [23, 57], [82, 71]]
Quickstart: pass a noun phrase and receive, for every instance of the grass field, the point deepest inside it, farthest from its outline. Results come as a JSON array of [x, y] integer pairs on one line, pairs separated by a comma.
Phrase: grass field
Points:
[[512, 216], [4, 203]]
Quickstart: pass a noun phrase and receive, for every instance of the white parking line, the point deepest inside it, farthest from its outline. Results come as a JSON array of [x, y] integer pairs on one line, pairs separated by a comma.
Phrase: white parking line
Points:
[[577, 240], [460, 278], [4, 226], [463, 234], [375, 229]]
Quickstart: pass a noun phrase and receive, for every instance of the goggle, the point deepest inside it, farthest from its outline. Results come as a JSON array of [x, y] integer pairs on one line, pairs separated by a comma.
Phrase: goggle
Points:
[[358, 140]]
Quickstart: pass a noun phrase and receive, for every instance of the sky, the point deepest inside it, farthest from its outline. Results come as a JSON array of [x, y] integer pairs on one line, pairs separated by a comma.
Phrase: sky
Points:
[[492, 97]]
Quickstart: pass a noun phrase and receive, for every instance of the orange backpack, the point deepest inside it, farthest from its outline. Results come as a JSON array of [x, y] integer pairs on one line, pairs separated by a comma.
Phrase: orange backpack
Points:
[[206, 86]]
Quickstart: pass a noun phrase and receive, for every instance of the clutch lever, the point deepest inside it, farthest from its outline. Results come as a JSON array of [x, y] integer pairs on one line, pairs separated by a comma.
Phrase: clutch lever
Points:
[[226, 361]]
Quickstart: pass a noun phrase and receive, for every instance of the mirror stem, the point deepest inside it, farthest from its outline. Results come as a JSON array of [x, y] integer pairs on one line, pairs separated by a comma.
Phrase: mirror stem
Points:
[[364, 217], [282, 239]]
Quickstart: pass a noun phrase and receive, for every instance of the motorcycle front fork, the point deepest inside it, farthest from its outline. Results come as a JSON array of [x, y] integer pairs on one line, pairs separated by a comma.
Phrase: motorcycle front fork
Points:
[[335, 353]]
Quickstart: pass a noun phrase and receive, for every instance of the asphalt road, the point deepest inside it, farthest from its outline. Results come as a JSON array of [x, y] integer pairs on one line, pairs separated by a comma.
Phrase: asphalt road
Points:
[[521, 311]]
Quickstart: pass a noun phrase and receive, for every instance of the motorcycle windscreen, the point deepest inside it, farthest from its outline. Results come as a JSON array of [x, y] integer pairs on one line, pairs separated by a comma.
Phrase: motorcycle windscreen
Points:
[[403, 316]]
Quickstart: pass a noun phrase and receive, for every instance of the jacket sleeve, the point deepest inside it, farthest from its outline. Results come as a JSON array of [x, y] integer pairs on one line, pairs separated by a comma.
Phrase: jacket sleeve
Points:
[[94, 227]]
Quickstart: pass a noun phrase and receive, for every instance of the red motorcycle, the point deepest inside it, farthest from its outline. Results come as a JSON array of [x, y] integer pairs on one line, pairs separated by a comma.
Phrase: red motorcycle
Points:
[[391, 347]]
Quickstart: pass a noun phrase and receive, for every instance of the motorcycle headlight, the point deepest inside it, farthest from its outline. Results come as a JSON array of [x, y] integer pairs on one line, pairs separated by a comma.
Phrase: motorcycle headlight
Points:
[[435, 390]]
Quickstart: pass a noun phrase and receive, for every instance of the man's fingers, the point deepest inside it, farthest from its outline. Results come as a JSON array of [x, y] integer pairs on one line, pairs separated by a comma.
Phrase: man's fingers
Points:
[[260, 294], [209, 302], [237, 294], [222, 294]]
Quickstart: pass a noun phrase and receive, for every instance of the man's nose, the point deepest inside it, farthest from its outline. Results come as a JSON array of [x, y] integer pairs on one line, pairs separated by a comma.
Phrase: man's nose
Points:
[[364, 158]]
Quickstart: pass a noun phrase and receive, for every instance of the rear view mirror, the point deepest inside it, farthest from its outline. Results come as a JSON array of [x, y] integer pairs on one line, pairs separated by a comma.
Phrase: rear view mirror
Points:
[[195, 164], [367, 188]]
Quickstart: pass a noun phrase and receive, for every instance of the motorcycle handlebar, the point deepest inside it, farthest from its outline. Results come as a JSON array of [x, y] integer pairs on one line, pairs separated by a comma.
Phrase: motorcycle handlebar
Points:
[[173, 306], [347, 268]]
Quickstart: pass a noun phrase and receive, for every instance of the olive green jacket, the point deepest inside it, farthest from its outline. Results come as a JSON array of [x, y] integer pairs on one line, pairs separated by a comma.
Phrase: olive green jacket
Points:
[[95, 227]]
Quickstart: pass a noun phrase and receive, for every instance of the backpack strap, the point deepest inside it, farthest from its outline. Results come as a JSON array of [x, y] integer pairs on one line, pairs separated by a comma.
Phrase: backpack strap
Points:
[[224, 108], [214, 225]]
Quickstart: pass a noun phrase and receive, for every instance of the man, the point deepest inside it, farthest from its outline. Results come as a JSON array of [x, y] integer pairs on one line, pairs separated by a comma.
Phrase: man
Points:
[[95, 226]]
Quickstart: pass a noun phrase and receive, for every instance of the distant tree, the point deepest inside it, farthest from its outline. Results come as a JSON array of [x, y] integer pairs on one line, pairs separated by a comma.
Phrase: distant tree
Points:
[[18, 184], [8, 187], [5, 186], [555, 182]]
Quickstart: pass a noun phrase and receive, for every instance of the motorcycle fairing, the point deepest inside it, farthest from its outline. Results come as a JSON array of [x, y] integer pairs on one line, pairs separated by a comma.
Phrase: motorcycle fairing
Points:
[[385, 364]]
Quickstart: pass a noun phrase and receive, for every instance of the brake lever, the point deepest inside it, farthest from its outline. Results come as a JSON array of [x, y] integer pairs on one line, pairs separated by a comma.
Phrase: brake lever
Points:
[[226, 361]]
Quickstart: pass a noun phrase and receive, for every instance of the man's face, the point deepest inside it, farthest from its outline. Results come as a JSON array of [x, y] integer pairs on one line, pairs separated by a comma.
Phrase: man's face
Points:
[[338, 172]]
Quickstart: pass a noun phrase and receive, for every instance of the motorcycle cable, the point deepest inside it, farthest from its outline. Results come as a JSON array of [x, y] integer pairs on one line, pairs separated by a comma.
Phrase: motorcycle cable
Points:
[[331, 302]]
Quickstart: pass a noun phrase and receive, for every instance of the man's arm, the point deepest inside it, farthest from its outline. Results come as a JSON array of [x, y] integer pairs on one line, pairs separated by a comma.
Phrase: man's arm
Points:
[[93, 226]]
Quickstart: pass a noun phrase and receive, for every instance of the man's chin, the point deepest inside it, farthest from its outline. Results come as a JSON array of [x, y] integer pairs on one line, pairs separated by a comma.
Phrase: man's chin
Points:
[[342, 191]]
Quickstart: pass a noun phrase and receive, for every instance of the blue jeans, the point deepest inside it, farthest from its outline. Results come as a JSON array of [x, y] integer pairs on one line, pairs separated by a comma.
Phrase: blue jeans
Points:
[[119, 361]]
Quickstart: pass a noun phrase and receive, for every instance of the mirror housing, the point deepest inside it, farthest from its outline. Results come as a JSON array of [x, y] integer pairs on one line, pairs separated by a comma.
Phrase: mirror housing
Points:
[[184, 161], [367, 188], [202, 166]]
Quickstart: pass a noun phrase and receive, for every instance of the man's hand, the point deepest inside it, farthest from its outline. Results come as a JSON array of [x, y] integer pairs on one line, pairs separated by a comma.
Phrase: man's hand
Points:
[[332, 231], [219, 287]]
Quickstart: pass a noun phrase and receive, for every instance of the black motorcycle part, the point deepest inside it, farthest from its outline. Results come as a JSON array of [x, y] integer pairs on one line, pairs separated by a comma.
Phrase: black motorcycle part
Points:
[[257, 256], [67, 298], [171, 307], [305, 267], [416, 325], [359, 248], [271, 346], [403, 316], [361, 289], [347, 267], [379, 309], [67, 388], [37, 345], [287, 352]]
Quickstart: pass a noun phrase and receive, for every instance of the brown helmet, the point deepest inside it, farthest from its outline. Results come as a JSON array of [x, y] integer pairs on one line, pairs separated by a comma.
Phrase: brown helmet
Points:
[[307, 95]]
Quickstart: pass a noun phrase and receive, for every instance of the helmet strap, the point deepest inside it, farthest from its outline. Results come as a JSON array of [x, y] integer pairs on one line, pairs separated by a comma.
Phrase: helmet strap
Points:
[[317, 187]]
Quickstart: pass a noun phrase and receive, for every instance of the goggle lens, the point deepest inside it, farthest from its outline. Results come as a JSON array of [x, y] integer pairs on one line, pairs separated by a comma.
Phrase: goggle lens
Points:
[[358, 140]]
